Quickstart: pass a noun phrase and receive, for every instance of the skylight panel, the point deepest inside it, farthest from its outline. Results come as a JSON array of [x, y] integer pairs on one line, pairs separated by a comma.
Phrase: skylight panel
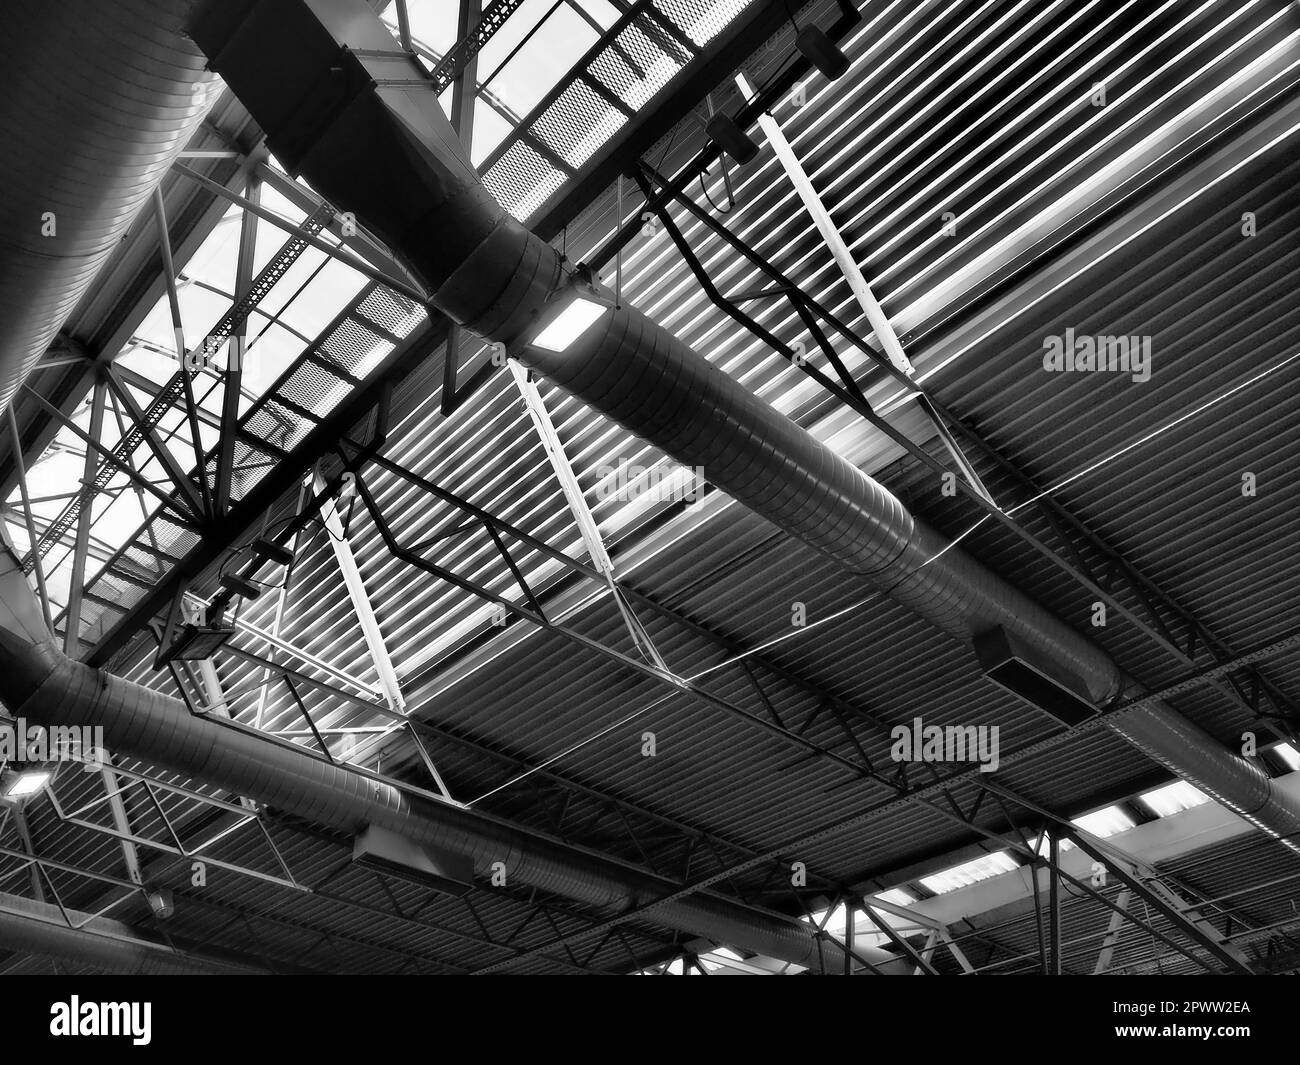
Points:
[[433, 22], [1288, 754], [972, 872], [490, 129], [897, 896], [1105, 822], [1173, 798], [601, 10], [541, 62]]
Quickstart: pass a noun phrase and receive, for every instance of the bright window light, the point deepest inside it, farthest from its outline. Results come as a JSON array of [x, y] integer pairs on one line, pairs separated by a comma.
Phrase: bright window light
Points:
[[28, 783], [569, 324], [1288, 754], [1172, 798], [835, 923], [1042, 845], [972, 872], [1105, 822], [897, 896]]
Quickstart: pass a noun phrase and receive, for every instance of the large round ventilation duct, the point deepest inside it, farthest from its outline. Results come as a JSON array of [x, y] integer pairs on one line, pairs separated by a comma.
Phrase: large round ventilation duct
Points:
[[340, 107], [102, 97], [41, 684], [382, 148], [40, 928]]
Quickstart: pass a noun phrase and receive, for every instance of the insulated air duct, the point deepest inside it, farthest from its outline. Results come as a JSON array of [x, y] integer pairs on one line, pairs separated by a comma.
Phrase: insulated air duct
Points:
[[343, 107], [101, 98], [41, 684], [359, 122], [40, 928]]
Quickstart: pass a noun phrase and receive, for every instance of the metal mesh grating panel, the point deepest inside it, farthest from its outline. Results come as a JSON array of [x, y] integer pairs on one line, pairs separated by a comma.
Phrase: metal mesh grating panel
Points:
[[172, 540], [310, 384], [242, 477], [350, 342], [521, 180], [281, 415], [262, 424], [701, 20], [390, 311], [635, 65], [578, 123]]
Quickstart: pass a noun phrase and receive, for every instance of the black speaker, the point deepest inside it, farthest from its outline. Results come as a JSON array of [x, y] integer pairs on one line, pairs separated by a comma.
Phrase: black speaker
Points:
[[281, 556], [239, 586], [822, 52], [738, 144]]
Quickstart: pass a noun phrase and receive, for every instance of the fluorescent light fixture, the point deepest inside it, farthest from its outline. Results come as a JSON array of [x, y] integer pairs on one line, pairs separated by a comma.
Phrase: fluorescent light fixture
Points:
[[972, 872], [28, 783], [1105, 822], [579, 316], [1172, 798]]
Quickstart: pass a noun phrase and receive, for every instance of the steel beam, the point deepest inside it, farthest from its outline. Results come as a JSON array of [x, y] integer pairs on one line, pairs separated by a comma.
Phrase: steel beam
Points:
[[234, 375], [1107, 952], [470, 43], [113, 789], [28, 520], [93, 446], [1214, 946], [553, 446], [159, 448], [830, 233], [178, 332], [333, 251], [360, 242], [360, 599], [291, 649], [72, 616]]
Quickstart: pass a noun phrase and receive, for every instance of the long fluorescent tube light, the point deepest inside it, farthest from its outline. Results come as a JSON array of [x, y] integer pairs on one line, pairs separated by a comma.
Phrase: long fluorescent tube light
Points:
[[28, 783], [569, 324]]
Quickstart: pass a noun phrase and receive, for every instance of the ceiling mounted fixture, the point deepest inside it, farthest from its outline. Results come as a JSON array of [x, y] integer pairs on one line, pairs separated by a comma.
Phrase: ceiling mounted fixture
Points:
[[727, 135], [574, 318], [274, 552], [26, 784], [239, 586], [196, 642], [822, 52]]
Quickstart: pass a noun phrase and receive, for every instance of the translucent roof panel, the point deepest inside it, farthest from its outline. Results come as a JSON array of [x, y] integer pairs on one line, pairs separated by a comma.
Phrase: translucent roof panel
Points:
[[1288, 754], [972, 872], [307, 292], [534, 65], [1107, 822], [1174, 798], [541, 112]]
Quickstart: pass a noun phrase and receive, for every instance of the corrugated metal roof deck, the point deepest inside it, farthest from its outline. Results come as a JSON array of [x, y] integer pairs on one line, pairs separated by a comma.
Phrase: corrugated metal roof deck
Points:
[[888, 163]]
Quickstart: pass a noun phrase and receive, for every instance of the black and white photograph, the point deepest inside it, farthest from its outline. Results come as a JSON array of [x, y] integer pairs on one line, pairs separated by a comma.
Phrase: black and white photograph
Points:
[[650, 488]]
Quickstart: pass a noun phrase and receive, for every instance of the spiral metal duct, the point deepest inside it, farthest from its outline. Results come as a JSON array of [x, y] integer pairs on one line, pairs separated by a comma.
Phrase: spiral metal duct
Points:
[[102, 97], [355, 117], [40, 928], [387, 152], [41, 684]]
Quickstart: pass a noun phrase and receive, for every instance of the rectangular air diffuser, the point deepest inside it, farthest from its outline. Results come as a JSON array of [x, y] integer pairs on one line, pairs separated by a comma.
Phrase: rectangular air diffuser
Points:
[[1010, 663], [396, 856]]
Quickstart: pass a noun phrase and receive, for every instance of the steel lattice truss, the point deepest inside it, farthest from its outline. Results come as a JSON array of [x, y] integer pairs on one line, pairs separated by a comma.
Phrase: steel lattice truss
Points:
[[321, 453]]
